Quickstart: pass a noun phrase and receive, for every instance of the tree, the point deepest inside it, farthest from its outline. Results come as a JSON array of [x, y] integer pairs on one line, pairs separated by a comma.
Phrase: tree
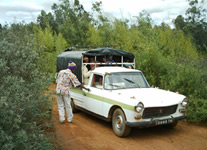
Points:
[[48, 45], [45, 19], [99, 18], [194, 24], [72, 20], [180, 23]]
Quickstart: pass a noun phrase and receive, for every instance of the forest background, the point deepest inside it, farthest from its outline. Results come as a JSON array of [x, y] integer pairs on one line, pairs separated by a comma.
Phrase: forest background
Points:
[[171, 58]]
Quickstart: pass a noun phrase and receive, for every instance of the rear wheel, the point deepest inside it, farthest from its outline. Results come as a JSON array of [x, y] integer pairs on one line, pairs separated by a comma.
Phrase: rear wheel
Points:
[[118, 123], [75, 110]]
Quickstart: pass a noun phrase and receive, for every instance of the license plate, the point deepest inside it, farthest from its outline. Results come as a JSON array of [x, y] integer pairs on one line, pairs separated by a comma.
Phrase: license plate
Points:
[[166, 121]]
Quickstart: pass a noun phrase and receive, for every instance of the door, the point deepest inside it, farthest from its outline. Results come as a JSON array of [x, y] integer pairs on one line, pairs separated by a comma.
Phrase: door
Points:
[[77, 94], [94, 98]]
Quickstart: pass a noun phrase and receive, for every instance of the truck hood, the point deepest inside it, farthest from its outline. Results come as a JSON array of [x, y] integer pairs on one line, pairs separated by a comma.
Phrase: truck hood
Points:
[[151, 96]]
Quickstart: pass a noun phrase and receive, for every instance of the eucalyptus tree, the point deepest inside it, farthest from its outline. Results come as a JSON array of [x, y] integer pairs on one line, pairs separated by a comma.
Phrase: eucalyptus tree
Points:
[[72, 20], [195, 24]]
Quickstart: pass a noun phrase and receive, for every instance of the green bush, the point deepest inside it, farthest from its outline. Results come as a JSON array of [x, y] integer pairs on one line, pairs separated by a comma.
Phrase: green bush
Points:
[[197, 110], [24, 108]]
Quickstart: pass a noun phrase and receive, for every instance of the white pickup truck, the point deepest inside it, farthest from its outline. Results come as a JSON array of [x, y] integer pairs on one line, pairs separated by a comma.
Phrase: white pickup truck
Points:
[[124, 97]]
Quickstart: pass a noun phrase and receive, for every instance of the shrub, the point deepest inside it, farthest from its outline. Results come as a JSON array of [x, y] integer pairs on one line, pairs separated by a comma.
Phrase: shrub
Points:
[[197, 110], [23, 105]]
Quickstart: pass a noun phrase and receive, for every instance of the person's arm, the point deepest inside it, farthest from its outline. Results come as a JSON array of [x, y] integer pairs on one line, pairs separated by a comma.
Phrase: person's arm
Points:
[[82, 86], [86, 73], [76, 82]]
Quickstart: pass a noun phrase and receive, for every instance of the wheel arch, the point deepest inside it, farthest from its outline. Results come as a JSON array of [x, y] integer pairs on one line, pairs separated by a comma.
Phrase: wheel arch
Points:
[[111, 111]]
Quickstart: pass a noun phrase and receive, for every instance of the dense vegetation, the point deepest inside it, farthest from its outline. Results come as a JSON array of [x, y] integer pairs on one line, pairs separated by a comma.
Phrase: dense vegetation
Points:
[[24, 109], [171, 58]]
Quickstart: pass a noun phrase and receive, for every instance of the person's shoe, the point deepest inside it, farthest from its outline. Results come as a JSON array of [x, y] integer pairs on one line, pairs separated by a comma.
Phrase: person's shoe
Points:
[[69, 121], [61, 121]]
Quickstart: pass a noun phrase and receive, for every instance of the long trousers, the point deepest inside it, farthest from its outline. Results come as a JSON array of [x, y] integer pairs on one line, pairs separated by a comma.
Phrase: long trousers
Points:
[[64, 104]]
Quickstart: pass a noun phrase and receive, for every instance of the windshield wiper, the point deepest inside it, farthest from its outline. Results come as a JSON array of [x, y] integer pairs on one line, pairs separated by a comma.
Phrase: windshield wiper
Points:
[[114, 85], [130, 81]]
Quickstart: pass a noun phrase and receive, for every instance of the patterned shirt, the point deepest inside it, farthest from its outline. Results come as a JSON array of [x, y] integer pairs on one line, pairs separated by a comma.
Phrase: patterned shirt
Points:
[[65, 80]]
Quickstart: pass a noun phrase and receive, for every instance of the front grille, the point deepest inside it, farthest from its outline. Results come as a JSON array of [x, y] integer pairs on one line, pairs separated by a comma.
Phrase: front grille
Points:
[[158, 111]]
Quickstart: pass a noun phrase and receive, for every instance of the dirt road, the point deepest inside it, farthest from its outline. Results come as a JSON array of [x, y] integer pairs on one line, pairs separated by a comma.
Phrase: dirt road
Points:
[[89, 133]]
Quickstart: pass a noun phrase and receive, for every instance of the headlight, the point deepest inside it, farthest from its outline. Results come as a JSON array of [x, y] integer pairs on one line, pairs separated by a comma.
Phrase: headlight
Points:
[[184, 102], [139, 107]]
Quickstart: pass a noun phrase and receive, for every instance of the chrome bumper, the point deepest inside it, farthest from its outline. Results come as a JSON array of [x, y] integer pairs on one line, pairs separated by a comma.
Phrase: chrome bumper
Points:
[[151, 122]]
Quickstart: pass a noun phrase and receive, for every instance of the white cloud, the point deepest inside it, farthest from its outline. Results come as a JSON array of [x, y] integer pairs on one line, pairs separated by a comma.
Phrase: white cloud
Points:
[[160, 10], [15, 6], [22, 10]]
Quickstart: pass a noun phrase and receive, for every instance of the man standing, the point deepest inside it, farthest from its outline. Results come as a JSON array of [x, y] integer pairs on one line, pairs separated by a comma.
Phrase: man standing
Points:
[[85, 70], [65, 80]]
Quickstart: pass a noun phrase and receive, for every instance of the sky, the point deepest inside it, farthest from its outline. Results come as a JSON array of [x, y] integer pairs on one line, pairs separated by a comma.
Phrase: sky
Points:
[[14, 11]]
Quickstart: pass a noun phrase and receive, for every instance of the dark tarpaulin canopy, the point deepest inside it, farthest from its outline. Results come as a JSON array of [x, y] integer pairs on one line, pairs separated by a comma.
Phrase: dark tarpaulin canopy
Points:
[[109, 52], [75, 56]]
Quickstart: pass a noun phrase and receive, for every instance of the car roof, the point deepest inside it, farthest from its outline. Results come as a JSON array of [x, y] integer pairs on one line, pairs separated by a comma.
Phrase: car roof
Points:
[[104, 70]]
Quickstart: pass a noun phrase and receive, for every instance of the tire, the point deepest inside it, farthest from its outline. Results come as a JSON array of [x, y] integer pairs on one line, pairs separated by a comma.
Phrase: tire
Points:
[[118, 123], [172, 125], [75, 110]]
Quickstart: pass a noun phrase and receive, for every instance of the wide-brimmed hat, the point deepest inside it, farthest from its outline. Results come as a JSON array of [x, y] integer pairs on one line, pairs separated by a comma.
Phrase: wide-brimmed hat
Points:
[[71, 65]]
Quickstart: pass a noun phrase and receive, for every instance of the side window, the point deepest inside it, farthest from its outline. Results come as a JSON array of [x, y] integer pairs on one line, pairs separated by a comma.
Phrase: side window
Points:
[[97, 81]]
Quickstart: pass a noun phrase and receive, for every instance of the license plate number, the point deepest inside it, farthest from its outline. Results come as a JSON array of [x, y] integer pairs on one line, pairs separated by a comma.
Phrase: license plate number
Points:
[[161, 122]]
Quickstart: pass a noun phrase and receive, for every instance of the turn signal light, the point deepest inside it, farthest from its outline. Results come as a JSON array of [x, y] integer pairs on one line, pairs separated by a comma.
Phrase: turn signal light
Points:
[[183, 111], [138, 117]]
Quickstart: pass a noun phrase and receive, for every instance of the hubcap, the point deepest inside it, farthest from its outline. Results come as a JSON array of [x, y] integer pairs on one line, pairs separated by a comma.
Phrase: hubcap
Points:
[[119, 122]]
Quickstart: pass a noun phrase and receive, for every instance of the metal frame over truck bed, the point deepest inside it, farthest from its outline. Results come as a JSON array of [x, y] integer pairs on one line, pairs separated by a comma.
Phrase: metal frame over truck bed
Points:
[[121, 57]]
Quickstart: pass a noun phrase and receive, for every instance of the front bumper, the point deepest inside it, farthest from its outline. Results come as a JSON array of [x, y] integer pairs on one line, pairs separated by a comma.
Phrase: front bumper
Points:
[[151, 122]]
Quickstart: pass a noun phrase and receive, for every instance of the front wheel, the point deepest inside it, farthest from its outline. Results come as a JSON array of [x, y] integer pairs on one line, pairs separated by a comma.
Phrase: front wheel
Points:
[[118, 123]]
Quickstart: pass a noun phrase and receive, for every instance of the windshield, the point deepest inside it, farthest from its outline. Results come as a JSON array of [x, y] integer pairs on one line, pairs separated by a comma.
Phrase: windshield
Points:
[[125, 80]]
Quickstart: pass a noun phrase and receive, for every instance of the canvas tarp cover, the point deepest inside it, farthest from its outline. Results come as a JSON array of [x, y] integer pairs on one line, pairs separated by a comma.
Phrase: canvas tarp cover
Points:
[[75, 56], [109, 52]]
